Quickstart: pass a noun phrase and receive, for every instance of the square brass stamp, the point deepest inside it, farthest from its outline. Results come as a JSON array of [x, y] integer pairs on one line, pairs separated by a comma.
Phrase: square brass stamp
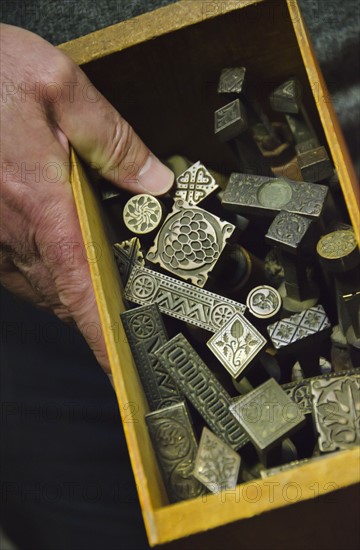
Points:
[[195, 184]]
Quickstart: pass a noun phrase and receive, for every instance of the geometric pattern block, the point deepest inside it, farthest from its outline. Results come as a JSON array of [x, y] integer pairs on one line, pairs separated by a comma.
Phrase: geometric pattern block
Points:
[[201, 387], [263, 301], [236, 344], [142, 214], [300, 325], [195, 184], [249, 194], [231, 80], [216, 464], [146, 333], [190, 242], [287, 231], [193, 305], [175, 446], [267, 414], [336, 404], [127, 253], [230, 121]]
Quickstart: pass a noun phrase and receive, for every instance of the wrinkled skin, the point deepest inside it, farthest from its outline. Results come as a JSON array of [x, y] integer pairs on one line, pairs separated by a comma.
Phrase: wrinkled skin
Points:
[[47, 102]]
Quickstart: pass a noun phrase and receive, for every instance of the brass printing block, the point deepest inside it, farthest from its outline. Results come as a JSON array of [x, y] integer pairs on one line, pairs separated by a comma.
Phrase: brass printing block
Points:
[[142, 214], [190, 242], [175, 446], [236, 344], [315, 164], [339, 251], [127, 253], [146, 333], [216, 464], [263, 301], [302, 325], [267, 414], [249, 194], [289, 231], [203, 390], [286, 98], [192, 305], [195, 184], [336, 404], [230, 121], [232, 80]]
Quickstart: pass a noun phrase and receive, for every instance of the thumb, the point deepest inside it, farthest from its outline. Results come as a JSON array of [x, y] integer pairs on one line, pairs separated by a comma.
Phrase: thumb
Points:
[[104, 139]]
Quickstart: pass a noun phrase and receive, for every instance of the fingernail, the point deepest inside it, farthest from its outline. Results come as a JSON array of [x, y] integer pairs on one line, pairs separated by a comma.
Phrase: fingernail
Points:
[[155, 177]]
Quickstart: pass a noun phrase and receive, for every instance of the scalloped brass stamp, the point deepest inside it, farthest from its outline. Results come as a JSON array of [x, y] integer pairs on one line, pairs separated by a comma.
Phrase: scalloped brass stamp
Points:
[[146, 333], [267, 414], [236, 344], [216, 465], [195, 184], [190, 242], [190, 304], [175, 446], [250, 194], [202, 388], [142, 214]]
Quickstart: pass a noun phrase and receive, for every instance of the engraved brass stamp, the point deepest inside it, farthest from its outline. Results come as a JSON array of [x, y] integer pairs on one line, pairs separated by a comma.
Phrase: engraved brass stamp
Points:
[[338, 250], [263, 301], [230, 121], [127, 253], [216, 464], [232, 80], [286, 98], [336, 404], [236, 344], [146, 333], [202, 388], [299, 326], [142, 214], [288, 231], [190, 242], [267, 414], [193, 305], [175, 446], [249, 194], [195, 184]]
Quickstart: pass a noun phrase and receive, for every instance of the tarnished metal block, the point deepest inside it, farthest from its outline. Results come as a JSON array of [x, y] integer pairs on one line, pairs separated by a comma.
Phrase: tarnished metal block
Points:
[[180, 300], [302, 134], [299, 326], [232, 80], [315, 164], [336, 403], [195, 184], [288, 231], [127, 253], [190, 242], [286, 98], [267, 414], [263, 301], [142, 214], [230, 121], [146, 333], [236, 344], [339, 251], [216, 464], [249, 194], [175, 446], [202, 388]]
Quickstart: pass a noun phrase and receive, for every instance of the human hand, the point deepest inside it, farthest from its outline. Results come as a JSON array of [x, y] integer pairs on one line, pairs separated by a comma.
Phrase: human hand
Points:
[[45, 106]]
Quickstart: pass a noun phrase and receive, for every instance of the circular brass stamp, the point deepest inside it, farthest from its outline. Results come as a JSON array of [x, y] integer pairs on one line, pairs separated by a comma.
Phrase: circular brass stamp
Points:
[[142, 214], [275, 194], [338, 250], [263, 301]]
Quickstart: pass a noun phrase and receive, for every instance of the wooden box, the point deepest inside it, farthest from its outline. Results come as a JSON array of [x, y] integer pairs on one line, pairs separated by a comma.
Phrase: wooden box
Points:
[[160, 70]]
